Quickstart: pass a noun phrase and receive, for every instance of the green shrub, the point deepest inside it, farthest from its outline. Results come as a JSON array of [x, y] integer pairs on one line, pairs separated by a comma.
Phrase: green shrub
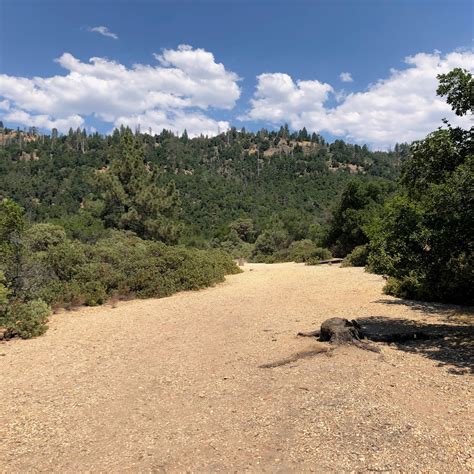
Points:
[[94, 293], [83, 226], [269, 243], [407, 287], [26, 320], [64, 260], [357, 258], [3, 292], [301, 250], [123, 265], [40, 237], [237, 248], [244, 228], [317, 255], [61, 294], [63, 273], [281, 255]]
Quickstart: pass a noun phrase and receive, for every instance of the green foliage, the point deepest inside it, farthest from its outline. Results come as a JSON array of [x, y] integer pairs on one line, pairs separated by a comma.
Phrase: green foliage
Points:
[[83, 226], [95, 293], [40, 237], [428, 240], [91, 183], [125, 265], [237, 248], [244, 228], [12, 225], [317, 255], [296, 225], [359, 205], [132, 200], [423, 240], [269, 246], [431, 161], [357, 258], [458, 87], [407, 286], [3, 293], [302, 250], [52, 269], [26, 320]]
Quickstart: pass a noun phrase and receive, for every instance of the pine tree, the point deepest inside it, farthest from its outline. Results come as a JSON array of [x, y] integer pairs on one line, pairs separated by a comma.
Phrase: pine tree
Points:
[[130, 198]]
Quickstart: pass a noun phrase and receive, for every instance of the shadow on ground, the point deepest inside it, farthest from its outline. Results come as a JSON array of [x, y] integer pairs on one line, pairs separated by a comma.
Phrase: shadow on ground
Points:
[[450, 312], [448, 344]]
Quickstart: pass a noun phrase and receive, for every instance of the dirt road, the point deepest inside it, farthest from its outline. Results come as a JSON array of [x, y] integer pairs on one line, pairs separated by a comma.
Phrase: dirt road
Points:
[[173, 384]]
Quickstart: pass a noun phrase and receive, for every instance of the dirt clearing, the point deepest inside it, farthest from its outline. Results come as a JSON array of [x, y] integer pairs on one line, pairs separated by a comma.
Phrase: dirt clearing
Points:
[[174, 384]]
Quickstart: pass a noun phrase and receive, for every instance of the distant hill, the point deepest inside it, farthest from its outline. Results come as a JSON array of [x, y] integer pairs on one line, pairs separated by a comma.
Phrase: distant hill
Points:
[[259, 175]]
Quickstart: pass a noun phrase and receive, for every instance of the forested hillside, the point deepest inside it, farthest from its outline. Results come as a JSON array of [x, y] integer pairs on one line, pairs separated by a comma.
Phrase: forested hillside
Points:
[[265, 176]]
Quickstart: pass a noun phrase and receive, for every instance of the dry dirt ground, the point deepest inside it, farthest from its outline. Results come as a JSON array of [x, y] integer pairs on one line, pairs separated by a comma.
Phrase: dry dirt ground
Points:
[[174, 384]]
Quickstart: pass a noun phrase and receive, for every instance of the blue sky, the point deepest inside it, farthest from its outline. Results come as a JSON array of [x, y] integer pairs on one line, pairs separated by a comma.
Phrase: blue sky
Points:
[[285, 41]]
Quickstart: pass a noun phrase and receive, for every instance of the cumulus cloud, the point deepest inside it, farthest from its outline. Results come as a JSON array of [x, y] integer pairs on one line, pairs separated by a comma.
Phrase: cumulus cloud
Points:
[[44, 121], [346, 77], [185, 83], [278, 99], [402, 107], [104, 31], [177, 121]]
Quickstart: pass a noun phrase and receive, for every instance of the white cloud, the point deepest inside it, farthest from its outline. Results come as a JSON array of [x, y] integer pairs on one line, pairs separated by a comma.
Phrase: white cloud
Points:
[[178, 92], [177, 121], [403, 107], [279, 99], [104, 31], [186, 80], [346, 77], [44, 121]]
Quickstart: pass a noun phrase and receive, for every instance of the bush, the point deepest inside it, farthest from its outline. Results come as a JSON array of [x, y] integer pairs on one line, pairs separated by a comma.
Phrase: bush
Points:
[[244, 228], [236, 247], [357, 258], [267, 244], [360, 203], [26, 320], [123, 265], [61, 294], [94, 293], [317, 255], [40, 237], [407, 287], [281, 255], [3, 292], [65, 273], [83, 226], [301, 250]]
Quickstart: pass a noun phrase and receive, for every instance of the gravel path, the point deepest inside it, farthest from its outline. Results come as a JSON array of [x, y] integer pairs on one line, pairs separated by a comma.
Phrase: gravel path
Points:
[[173, 384]]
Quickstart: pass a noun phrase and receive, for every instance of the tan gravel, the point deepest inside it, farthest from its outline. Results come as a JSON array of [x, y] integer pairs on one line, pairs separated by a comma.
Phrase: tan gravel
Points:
[[173, 385]]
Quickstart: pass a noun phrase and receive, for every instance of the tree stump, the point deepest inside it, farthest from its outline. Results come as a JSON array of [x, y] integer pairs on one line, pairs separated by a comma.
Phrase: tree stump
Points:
[[341, 331]]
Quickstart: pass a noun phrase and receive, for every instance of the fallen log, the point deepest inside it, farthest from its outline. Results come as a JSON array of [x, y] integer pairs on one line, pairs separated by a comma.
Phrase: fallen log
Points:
[[330, 261]]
